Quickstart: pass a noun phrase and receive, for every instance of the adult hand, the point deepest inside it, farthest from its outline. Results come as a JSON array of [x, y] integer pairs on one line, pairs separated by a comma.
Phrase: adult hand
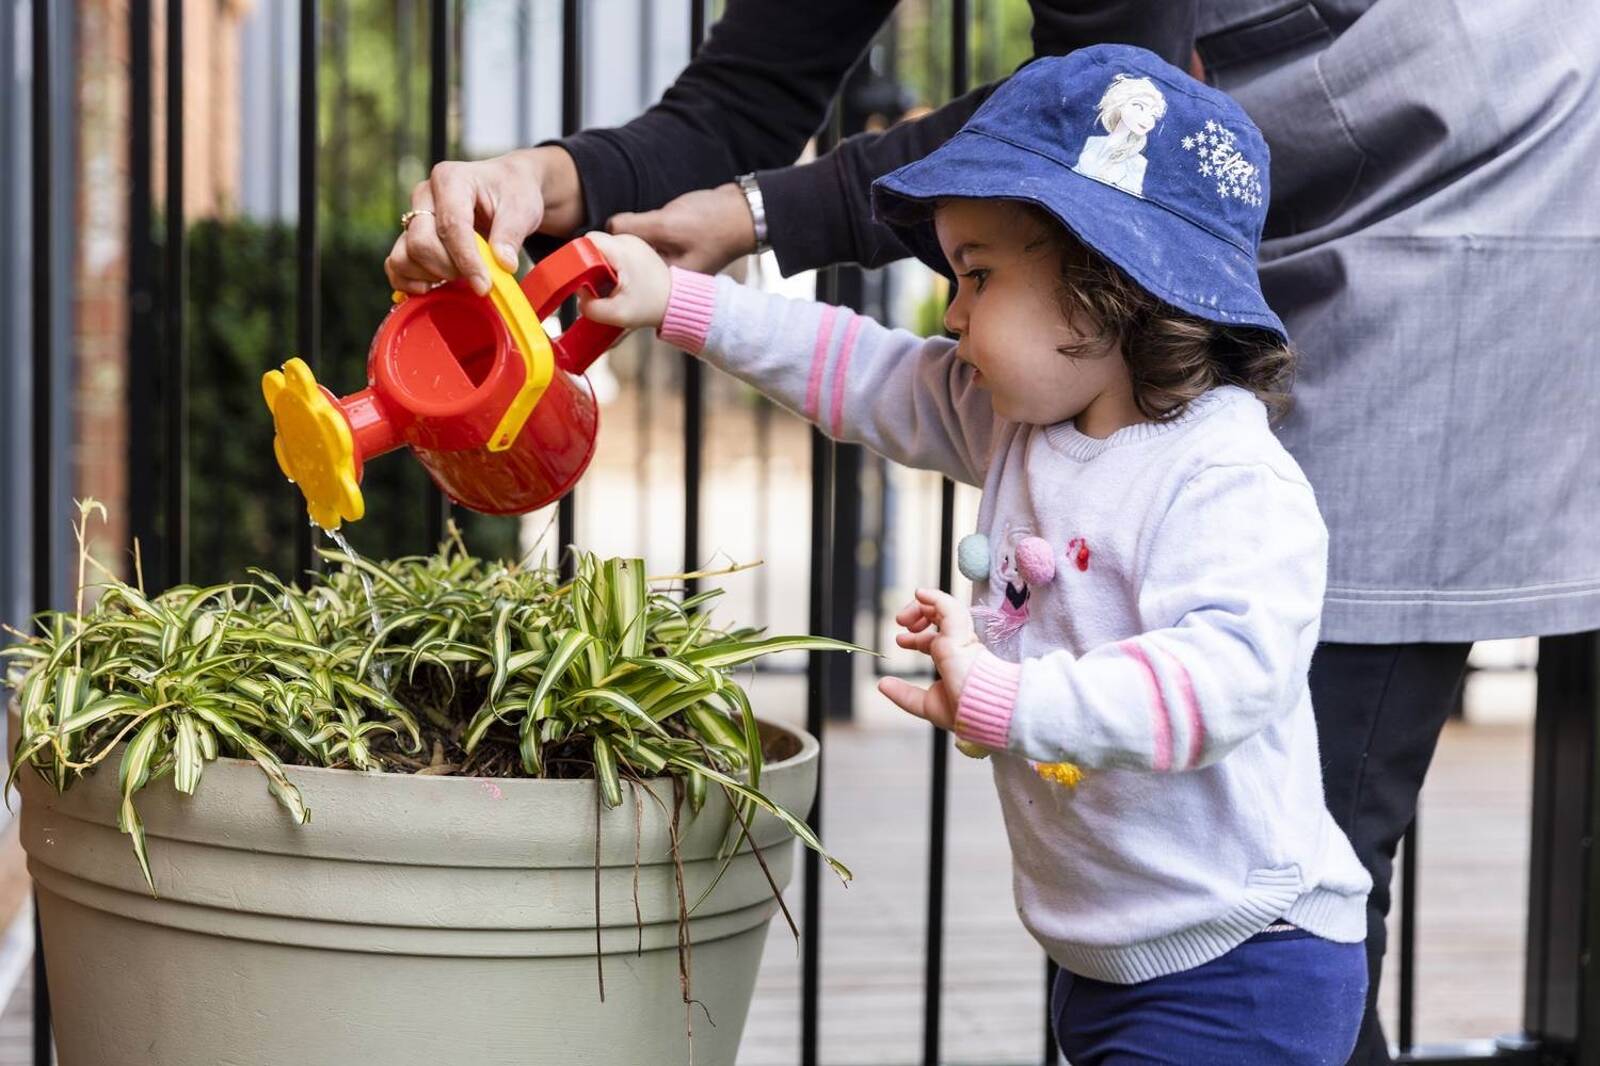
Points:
[[704, 230], [505, 198], [939, 626]]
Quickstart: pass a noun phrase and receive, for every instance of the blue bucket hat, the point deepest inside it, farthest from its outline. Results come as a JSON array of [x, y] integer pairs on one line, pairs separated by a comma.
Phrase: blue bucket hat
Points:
[[1163, 176]]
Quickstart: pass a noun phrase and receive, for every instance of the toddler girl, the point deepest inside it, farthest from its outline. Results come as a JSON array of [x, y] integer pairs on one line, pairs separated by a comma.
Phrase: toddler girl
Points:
[[1149, 561]]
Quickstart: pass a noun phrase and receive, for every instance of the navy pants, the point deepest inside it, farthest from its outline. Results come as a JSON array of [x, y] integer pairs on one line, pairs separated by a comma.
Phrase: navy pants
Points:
[[1278, 999]]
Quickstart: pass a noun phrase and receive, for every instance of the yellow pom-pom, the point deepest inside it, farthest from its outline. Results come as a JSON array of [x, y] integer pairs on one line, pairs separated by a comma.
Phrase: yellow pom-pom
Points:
[[1059, 773]]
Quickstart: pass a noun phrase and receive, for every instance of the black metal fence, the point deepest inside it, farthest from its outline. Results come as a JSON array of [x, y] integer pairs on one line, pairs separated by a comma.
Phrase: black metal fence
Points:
[[1561, 1008]]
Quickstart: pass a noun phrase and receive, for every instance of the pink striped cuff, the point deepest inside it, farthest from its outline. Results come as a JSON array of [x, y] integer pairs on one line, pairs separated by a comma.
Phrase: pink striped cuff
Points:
[[689, 309], [1160, 713], [819, 362], [983, 715], [846, 347]]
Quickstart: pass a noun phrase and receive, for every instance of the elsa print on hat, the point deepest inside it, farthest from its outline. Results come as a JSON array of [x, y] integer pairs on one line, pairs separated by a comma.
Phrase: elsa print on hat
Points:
[[1129, 110]]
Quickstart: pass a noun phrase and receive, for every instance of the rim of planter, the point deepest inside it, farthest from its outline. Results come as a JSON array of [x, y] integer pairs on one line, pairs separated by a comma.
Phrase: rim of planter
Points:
[[382, 814]]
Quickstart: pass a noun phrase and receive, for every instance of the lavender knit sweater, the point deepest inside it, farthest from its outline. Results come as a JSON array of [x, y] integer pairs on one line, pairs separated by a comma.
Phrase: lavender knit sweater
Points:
[[1150, 607]]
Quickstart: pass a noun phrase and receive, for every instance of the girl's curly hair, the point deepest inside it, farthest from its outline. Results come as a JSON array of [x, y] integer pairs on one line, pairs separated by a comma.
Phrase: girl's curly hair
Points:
[[1173, 357]]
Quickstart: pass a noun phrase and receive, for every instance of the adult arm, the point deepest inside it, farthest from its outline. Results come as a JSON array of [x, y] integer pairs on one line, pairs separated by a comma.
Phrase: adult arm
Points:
[[750, 99]]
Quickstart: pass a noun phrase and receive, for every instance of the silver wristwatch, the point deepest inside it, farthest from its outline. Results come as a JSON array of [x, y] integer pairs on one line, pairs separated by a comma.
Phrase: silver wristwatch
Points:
[[758, 209]]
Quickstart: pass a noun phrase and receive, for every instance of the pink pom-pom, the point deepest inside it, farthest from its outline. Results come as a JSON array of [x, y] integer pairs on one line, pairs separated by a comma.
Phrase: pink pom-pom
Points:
[[1036, 561]]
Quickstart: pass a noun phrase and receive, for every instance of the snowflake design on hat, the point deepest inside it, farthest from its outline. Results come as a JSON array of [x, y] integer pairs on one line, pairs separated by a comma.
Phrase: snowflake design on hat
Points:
[[1219, 158]]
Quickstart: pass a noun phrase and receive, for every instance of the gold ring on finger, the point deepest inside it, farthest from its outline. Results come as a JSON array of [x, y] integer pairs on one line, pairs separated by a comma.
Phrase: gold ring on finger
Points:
[[405, 219]]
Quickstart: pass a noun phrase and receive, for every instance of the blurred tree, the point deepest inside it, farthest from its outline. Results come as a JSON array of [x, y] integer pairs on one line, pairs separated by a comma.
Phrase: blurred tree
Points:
[[998, 41]]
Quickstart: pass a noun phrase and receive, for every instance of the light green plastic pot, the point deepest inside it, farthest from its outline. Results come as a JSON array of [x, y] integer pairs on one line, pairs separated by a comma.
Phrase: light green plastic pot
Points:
[[432, 921]]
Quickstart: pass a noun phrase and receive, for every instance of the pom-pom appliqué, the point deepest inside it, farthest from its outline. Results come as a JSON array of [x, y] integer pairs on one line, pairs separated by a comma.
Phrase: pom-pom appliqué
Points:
[[972, 557], [1036, 561]]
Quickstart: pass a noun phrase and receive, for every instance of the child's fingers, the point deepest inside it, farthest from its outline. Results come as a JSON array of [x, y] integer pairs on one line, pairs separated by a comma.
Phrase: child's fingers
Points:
[[922, 642], [607, 245], [906, 696], [942, 602], [913, 616], [602, 308], [952, 617]]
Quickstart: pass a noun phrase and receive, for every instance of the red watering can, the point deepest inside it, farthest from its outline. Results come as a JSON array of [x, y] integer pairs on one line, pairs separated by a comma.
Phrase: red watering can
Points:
[[501, 416]]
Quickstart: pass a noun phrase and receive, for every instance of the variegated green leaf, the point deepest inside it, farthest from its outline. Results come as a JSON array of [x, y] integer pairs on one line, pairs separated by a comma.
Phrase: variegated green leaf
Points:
[[736, 653], [605, 769], [567, 648], [621, 703], [188, 759]]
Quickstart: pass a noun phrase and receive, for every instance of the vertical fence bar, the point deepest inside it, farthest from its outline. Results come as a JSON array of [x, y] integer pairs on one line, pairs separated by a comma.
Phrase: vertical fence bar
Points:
[[643, 428], [175, 378], [278, 250], [1560, 989], [694, 398], [340, 21], [939, 786], [1588, 697], [938, 799], [644, 400], [524, 73], [818, 674], [1408, 935], [405, 22], [142, 396], [1052, 1050], [308, 307], [1541, 840], [647, 38], [436, 505], [817, 667], [571, 120], [763, 579], [39, 191], [43, 557]]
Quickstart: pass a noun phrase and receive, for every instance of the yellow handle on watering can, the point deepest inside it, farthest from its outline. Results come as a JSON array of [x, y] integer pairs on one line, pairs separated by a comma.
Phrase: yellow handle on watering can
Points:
[[528, 337]]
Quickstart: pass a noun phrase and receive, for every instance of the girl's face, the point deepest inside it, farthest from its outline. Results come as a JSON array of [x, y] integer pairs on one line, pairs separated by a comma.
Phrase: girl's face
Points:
[[1009, 323], [1139, 116]]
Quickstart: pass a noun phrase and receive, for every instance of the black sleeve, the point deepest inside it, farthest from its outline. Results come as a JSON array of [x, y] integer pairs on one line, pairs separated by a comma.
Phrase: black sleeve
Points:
[[1165, 27], [821, 213], [753, 95]]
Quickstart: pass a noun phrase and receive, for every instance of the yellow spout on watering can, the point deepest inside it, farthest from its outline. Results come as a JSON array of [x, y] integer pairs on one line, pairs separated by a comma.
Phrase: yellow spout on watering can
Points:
[[314, 446]]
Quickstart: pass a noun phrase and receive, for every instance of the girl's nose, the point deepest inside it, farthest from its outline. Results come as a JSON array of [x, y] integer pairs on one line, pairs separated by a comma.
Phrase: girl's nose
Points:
[[955, 317]]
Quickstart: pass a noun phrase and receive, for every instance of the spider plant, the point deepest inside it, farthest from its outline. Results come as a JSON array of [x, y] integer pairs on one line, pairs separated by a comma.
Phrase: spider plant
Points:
[[436, 664]]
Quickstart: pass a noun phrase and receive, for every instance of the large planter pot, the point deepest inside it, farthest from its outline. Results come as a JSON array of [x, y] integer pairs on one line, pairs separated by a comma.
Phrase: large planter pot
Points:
[[425, 920]]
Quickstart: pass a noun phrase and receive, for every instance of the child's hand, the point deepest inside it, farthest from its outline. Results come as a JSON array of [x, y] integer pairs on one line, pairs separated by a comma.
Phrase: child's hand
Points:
[[939, 626], [643, 285]]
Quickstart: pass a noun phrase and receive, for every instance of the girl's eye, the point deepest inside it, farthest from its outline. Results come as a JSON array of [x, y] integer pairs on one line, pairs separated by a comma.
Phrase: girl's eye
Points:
[[979, 276]]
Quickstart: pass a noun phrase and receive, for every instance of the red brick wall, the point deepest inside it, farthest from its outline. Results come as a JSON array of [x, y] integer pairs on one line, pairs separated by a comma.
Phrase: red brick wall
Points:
[[211, 173], [100, 407]]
